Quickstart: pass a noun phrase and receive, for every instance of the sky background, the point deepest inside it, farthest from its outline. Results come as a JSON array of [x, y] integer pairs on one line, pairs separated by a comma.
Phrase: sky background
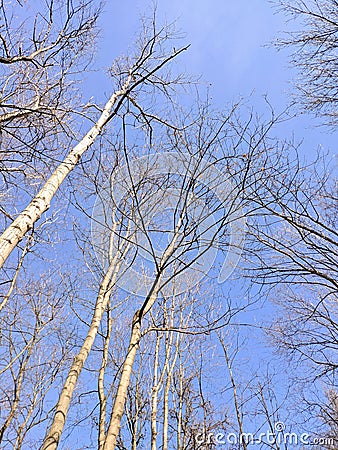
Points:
[[231, 50]]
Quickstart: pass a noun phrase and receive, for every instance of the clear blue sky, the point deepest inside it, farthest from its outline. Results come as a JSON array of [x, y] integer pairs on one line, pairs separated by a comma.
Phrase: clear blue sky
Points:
[[229, 49]]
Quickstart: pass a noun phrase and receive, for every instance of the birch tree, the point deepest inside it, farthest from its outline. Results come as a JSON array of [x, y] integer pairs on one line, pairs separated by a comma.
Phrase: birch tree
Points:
[[140, 70], [26, 376], [206, 203]]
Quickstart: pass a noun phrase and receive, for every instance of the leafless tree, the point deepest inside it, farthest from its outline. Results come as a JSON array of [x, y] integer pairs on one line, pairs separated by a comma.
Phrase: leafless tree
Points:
[[31, 326], [314, 54], [205, 185], [329, 416], [43, 50], [294, 258], [134, 75], [177, 186], [296, 247]]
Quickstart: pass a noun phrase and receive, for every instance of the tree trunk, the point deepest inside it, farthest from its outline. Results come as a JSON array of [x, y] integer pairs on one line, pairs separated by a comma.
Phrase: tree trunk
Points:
[[169, 369], [53, 436], [41, 202], [154, 396], [118, 409], [101, 392]]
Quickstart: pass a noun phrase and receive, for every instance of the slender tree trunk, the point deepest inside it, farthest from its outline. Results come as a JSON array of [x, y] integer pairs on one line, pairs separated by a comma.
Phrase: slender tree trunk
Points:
[[234, 391], [120, 399], [180, 408], [118, 409], [53, 436], [169, 369], [41, 202], [166, 412], [102, 395], [12, 285], [18, 387], [154, 396], [134, 440]]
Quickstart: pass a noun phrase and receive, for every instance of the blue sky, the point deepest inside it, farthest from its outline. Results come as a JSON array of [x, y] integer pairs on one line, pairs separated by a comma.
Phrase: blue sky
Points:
[[226, 39], [230, 49]]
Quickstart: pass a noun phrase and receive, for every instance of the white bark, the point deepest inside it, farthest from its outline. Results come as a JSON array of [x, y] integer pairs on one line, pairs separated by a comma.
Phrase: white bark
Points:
[[53, 436], [234, 391], [118, 409], [120, 400], [154, 396], [169, 369], [101, 391], [41, 202]]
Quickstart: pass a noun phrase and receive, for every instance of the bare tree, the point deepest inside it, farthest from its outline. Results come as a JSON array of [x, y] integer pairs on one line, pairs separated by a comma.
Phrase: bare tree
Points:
[[131, 76], [43, 50], [329, 415], [180, 185], [26, 375], [293, 257], [314, 54], [206, 196], [296, 248]]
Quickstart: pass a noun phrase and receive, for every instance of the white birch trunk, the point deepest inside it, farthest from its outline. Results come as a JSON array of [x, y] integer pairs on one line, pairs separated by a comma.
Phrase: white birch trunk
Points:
[[118, 409], [154, 396], [169, 369], [102, 395], [52, 438], [41, 202]]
